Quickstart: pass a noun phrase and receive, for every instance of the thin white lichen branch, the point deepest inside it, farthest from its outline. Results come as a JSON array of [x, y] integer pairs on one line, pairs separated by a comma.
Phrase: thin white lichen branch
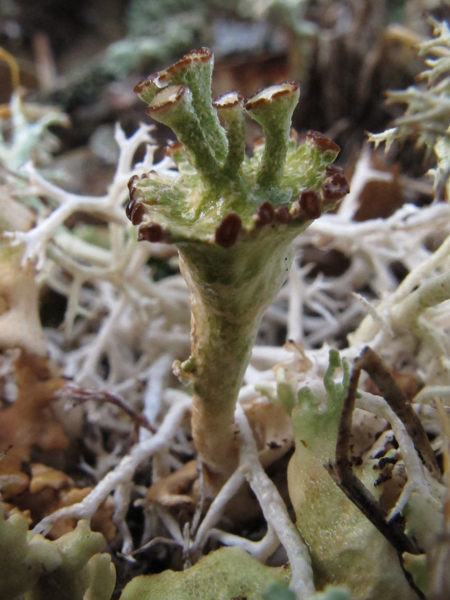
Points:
[[122, 498], [107, 207], [216, 509], [275, 511], [261, 549], [37, 238], [371, 248], [421, 289], [125, 470], [419, 479]]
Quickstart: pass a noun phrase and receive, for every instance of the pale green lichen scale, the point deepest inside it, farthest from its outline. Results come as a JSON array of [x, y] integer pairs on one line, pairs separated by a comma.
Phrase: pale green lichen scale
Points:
[[71, 563], [223, 574], [359, 555]]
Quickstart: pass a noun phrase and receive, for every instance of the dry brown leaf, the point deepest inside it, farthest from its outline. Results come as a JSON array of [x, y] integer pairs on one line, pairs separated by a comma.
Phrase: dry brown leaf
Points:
[[272, 430], [30, 420], [176, 489], [50, 490]]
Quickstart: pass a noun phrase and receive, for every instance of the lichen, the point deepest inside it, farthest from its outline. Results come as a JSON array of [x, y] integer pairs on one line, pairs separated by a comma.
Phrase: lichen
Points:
[[233, 219], [427, 113], [70, 567], [346, 549], [223, 574]]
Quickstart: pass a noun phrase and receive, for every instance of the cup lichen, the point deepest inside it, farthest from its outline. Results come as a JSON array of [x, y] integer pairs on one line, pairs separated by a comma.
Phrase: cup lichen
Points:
[[232, 218]]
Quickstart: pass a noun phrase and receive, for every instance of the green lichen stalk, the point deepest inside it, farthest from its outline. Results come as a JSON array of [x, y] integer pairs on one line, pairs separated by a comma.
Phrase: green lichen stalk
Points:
[[233, 219]]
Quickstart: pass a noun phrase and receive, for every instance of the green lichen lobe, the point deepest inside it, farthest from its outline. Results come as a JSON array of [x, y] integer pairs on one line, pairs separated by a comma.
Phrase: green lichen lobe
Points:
[[224, 574], [70, 567], [346, 549]]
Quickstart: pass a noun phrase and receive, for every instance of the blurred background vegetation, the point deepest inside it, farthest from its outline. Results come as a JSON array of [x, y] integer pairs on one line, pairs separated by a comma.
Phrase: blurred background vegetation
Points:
[[86, 56]]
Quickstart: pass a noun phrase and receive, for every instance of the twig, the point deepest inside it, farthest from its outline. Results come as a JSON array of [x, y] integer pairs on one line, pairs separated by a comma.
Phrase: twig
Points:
[[394, 396], [342, 474], [79, 394]]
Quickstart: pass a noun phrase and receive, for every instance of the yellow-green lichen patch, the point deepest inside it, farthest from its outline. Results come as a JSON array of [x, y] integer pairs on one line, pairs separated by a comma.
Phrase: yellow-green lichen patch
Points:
[[346, 549], [222, 575]]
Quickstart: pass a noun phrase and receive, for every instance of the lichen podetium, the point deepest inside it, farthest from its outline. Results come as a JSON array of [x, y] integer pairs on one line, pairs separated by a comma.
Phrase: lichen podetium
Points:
[[232, 218]]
